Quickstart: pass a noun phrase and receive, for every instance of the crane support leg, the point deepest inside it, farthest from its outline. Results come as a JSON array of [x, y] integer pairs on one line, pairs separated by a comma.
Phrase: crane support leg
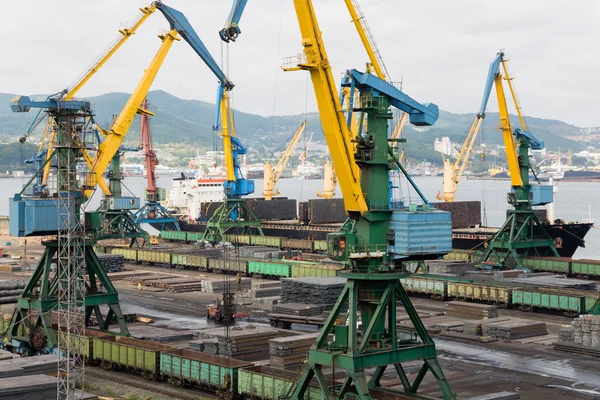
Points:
[[232, 215]]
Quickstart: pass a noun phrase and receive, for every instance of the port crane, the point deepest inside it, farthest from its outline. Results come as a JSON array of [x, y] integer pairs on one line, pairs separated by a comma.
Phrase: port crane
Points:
[[453, 171], [373, 265], [272, 174], [522, 234], [234, 212], [73, 124], [231, 30], [152, 212]]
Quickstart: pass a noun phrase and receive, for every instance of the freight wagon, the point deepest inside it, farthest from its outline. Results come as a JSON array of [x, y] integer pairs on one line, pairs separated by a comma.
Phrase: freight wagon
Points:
[[549, 264], [269, 241], [571, 304], [84, 345], [259, 269], [174, 236], [319, 245], [153, 257], [127, 253], [190, 367], [481, 292], [190, 261], [437, 289], [134, 355], [300, 269], [267, 383], [585, 268], [232, 265], [297, 244]]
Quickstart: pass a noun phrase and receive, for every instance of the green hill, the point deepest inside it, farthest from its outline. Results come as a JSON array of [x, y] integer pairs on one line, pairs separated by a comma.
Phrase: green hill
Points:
[[190, 122]]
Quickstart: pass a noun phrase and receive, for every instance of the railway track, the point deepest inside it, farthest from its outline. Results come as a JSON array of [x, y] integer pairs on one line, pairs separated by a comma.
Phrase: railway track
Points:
[[145, 385]]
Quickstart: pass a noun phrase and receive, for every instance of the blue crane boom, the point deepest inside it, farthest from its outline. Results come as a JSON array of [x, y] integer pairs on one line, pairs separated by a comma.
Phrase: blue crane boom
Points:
[[231, 30], [179, 22]]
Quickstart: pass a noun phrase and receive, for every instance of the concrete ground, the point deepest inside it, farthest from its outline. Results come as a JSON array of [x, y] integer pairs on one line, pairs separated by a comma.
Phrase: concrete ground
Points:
[[534, 371]]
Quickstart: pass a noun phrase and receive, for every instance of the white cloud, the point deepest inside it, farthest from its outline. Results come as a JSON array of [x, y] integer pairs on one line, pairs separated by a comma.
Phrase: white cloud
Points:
[[441, 49]]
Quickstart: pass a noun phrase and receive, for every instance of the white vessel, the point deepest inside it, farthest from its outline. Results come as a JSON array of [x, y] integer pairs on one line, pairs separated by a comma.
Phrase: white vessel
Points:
[[188, 193]]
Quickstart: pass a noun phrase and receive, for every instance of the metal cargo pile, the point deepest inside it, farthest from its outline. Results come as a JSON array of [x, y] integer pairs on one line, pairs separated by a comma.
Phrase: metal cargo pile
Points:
[[289, 352], [583, 336], [323, 291], [457, 268], [514, 329], [111, 262], [303, 310], [470, 310]]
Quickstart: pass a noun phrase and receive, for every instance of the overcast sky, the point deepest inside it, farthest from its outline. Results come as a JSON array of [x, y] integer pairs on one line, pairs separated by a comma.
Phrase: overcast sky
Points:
[[441, 49]]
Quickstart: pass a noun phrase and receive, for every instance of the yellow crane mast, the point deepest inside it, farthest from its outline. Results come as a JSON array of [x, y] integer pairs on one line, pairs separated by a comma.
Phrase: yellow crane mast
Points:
[[272, 174]]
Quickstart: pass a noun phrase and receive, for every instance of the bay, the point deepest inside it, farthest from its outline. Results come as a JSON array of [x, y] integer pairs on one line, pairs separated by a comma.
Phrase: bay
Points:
[[574, 201]]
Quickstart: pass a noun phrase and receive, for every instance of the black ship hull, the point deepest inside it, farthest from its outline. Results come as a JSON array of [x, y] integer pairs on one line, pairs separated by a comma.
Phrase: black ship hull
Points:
[[568, 237]]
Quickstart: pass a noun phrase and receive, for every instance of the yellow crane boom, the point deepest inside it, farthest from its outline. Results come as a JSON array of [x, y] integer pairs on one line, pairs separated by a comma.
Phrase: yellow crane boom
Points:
[[336, 132], [115, 136], [272, 174]]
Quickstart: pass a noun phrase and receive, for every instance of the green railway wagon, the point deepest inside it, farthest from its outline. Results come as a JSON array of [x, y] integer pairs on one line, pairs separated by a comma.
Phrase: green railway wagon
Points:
[[268, 383], [585, 267], [85, 345], [548, 264], [435, 288], [5, 323], [189, 260], [184, 366], [234, 266], [154, 257], [174, 236], [270, 241], [100, 248], [130, 255], [132, 354], [529, 299], [238, 239], [303, 269], [319, 245], [194, 236], [261, 268], [482, 292]]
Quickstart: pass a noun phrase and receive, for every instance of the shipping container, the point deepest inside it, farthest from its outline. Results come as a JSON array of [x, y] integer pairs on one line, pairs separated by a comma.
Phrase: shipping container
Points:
[[131, 354], [420, 232], [585, 267], [297, 244], [267, 383], [128, 253], [486, 293], [434, 288], [276, 209], [319, 245], [548, 264], [528, 299], [154, 257], [464, 214], [233, 265], [206, 370], [326, 211], [300, 269], [270, 241], [189, 260], [179, 236], [266, 268]]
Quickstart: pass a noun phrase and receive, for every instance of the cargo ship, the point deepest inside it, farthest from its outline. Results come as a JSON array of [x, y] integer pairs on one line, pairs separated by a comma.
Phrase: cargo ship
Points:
[[194, 201]]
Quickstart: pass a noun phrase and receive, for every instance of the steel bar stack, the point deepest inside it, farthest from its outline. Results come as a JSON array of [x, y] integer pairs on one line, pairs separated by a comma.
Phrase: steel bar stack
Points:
[[111, 262], [514, 329], [476, 327], [219, 286], [470, 310], [252, 347], [323, 291], [289, 352], [458, 268], [265, 289], [303, 310], [583, 336]]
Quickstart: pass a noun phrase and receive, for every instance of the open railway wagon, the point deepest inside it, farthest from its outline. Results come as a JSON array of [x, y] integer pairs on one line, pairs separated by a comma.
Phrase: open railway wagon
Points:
[[569, 302]]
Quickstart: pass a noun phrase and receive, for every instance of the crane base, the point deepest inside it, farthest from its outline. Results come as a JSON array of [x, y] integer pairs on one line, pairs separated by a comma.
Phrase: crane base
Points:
[[154, 213], [375, 297], [233, 213], [521, 235], [40, 298]]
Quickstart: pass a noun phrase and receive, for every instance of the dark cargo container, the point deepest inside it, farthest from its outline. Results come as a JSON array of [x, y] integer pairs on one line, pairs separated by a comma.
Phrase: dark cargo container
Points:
[[326, 211], [465, 214]]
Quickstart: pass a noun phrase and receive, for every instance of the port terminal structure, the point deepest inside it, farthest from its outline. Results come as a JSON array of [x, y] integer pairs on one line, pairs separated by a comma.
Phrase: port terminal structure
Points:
[[58, 211]]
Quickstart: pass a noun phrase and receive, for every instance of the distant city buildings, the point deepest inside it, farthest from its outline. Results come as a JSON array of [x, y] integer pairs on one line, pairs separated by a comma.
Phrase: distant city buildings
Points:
[[443, 145]]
